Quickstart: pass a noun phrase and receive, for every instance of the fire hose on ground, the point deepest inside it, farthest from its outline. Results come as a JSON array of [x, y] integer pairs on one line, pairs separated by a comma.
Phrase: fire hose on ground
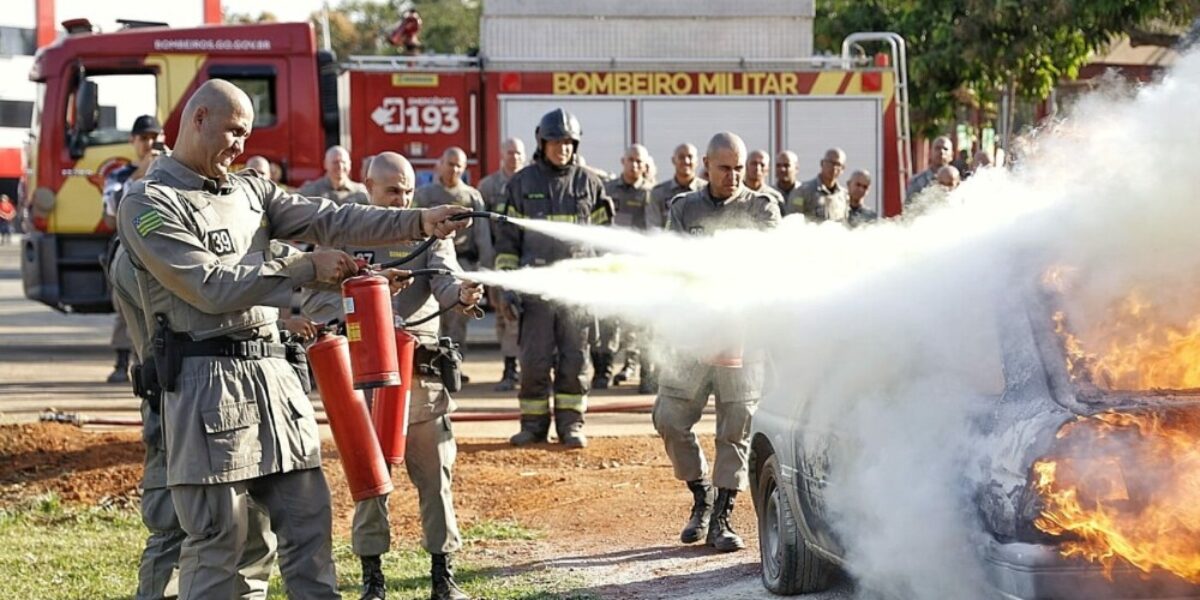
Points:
[[79, 419]]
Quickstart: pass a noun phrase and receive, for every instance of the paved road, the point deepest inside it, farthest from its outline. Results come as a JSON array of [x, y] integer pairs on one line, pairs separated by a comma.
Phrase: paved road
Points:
[[53, 360]]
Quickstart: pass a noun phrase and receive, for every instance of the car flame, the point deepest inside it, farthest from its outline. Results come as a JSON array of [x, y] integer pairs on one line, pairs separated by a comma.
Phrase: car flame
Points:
[[1123, 486]]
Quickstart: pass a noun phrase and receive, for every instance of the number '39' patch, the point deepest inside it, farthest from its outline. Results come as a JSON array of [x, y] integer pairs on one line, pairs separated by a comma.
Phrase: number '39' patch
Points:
[[220, 242]]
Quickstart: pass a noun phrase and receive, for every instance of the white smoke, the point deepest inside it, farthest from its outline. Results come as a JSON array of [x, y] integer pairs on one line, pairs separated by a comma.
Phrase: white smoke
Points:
[[886, 336]]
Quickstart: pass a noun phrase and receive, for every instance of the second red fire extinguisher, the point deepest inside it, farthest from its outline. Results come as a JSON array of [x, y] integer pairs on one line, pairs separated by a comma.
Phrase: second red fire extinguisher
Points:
[[390, 409]]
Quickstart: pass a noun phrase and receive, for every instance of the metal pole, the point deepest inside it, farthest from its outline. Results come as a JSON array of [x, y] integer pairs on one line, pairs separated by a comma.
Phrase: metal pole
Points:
[[325, 26]]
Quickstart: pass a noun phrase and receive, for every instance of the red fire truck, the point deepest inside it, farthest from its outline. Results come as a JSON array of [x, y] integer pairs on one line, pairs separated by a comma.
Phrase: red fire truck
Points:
[[420, 106]]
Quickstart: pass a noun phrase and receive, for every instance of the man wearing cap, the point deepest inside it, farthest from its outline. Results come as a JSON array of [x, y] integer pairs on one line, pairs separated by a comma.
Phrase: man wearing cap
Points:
[[145, 134]]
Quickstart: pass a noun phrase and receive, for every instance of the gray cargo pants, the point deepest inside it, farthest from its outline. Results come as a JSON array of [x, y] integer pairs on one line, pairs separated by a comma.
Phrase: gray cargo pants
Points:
[[158, 571], [683, 394], [553, 338], [217, 518], [429, 455]]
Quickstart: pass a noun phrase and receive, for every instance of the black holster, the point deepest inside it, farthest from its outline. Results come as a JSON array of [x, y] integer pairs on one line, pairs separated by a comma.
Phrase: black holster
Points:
[[297, 356], [168, 353], [442, 361], [145, 383]]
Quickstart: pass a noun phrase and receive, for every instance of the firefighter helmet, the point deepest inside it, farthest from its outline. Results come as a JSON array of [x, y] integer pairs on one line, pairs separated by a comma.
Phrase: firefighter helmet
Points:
[[558, 124]]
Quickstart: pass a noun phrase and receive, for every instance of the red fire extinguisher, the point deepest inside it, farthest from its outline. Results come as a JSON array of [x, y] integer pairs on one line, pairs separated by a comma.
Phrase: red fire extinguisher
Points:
[[362, 460], [390, 409], [367, 303]]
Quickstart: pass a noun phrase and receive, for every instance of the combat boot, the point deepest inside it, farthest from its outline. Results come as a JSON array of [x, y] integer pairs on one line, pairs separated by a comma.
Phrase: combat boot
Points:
[[508, 381], [120, 372], [534, 430], [603, 374], [569, 425], [702, 506], [649, 381], [721, 534], [629, 370], [442, 575], [374, 585]]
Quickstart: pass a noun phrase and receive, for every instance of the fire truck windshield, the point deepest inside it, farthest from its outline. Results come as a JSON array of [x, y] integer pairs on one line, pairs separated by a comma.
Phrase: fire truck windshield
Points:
[[122, 97]]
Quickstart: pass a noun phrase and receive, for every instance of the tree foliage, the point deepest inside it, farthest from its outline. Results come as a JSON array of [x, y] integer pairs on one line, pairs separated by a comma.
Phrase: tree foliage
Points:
[[360, 27], [968, 51]]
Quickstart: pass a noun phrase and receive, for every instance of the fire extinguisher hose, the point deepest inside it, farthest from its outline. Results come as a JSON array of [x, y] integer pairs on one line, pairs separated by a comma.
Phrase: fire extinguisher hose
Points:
[[425, 245]]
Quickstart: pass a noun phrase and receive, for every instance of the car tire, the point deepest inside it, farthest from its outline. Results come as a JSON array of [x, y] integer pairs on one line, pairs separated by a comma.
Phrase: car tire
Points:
[[788, 566]]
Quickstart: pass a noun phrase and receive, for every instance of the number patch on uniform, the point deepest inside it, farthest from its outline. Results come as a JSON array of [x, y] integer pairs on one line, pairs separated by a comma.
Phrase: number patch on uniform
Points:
[[220, 242], [366, 255]]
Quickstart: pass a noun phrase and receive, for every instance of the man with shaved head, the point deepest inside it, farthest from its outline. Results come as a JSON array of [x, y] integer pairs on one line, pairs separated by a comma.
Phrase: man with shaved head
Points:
[[260, 165], [859, 185], [684, 160], [238, 425], [631, 198], [823, 198], [785, 174], [758, 164], [475, 250], [939, 156], [430, 447], [508, 323], [336, 185], [736, 381]]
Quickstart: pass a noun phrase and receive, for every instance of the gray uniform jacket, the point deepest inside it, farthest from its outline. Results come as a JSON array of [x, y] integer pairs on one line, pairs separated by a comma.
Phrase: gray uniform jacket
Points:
[[923, 180], [660, 199], [492, 189], [202, 252], [861, 215], [698, 212], [820, 203], [542, 191], [475, 246], [350, 191], [632, 202], [775, 195]]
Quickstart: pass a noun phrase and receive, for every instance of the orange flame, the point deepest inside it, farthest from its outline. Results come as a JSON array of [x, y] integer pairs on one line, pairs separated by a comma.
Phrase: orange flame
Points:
[[1134, 347], [1125, 486]]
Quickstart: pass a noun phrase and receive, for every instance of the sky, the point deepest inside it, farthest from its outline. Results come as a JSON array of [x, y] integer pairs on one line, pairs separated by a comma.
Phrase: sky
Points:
[[293, 10]]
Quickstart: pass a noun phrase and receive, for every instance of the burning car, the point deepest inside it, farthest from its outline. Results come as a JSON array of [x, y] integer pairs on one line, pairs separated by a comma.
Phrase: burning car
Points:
[[1087, 484]]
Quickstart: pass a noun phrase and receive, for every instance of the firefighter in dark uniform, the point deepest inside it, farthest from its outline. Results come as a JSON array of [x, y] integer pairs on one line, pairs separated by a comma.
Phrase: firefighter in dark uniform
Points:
[[553, 337], [685, 385], [238, 426]]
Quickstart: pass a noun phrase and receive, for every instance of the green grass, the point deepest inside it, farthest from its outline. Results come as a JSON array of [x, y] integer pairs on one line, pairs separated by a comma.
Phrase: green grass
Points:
[[48, 550]]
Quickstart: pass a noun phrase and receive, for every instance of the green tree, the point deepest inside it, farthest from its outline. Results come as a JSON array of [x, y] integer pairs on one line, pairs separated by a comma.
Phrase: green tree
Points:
[[360, 27], [972, 51]]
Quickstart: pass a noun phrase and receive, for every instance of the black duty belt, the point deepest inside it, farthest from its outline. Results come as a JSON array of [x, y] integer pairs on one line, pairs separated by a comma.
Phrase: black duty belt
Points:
[[247, 349]]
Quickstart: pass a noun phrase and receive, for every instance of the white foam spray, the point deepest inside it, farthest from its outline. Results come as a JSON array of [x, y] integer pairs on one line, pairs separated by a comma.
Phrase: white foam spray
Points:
[[886, 335]]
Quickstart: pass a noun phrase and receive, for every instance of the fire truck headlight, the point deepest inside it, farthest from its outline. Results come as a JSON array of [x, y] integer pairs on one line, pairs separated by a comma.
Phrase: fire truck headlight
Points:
[[43, 201]]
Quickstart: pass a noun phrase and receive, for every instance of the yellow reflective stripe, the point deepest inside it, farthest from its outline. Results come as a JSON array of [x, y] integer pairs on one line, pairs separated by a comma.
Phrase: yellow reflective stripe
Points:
[[600, 216], [512, 211], [506, 261], [535, 406], [574, 402], [563, 218]]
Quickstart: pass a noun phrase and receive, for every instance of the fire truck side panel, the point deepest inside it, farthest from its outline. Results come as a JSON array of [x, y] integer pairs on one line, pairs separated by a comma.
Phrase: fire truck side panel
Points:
[[419, 114], [804, 111]]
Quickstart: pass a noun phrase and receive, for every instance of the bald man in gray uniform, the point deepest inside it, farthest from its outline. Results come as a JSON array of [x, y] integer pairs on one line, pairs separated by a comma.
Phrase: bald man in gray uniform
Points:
[[336, 185], [238, 425], [685, 386]]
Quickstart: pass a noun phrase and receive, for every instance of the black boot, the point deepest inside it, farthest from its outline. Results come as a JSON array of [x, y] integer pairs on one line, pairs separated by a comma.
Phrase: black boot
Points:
[[534, 430], [569, 425], [649, 381], [603, 375], [721, 534], [374, 587], [508, 381], [120, 373], [629, 370], [442, 574], [702, 506]]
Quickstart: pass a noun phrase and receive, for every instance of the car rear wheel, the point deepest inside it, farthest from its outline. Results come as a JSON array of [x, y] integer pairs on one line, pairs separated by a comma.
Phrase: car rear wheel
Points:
[[788, 566]]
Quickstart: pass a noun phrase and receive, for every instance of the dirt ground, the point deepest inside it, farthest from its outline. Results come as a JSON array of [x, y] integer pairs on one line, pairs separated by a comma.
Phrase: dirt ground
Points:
[[610, 513]]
